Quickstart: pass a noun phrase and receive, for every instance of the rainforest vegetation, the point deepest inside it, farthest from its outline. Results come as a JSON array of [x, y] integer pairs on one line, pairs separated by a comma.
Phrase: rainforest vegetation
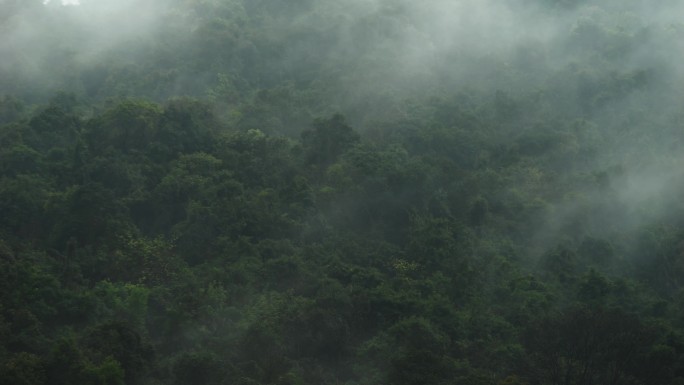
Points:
[[357, 192]]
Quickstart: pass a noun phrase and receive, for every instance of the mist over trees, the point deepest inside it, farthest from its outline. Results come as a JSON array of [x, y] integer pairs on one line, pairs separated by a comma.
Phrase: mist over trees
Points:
[[357, 192]]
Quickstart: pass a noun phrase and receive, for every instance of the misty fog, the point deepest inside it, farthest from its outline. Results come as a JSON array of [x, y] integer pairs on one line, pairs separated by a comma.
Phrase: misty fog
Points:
[[613, 66], [455, 170]]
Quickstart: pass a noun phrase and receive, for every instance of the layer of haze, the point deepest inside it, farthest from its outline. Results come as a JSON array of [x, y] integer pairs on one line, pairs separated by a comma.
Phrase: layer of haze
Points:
[[65, 2], [612, 67]]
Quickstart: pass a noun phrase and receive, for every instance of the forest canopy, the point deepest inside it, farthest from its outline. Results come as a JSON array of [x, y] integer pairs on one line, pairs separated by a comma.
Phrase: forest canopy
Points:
[[357, 192]]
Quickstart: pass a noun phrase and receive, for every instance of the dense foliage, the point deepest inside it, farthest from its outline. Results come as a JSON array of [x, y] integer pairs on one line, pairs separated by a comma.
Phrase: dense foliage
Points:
[[325, 192]]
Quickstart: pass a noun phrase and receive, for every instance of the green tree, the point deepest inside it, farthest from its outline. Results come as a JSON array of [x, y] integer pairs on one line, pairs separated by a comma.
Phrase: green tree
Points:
[[109, 372], [23, 369], [129, 125], [327, 140], [114, 344]]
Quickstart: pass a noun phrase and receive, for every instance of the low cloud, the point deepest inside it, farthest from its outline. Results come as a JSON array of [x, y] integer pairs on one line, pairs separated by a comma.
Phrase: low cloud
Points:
[[65, 2]]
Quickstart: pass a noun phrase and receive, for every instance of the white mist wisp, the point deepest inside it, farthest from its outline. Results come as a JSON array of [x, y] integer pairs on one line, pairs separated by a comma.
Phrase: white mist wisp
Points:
[[66, 2]]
